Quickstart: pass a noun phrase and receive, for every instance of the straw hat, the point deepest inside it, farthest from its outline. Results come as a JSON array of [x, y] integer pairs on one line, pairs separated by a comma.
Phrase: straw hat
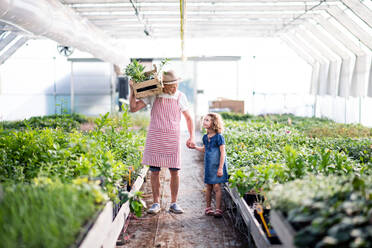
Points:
[[169, 77]]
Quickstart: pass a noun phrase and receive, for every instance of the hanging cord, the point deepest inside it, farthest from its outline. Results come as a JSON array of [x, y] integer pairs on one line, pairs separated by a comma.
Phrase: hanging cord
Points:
[[142, 20], [182, 19]]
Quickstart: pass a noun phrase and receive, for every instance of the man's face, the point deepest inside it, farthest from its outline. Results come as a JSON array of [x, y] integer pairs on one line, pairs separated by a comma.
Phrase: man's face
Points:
[[170, 88]]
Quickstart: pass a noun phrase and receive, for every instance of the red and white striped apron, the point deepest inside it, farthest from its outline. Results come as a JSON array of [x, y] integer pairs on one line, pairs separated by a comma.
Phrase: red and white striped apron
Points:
[[162, 147]]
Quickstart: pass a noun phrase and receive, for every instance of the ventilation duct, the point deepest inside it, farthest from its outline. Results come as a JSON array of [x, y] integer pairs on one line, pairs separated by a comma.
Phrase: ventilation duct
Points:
[[53, 20]]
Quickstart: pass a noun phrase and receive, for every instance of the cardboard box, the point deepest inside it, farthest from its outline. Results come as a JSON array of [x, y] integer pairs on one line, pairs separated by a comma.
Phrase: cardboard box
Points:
[[236, 106]]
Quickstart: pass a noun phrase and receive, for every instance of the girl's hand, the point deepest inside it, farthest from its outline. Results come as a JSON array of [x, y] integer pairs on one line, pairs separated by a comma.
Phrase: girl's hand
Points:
[[220, 172], [190, 143]]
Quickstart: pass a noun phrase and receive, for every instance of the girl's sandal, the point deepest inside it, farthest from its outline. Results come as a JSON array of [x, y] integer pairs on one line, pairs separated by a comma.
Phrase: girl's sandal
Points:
[[209, 211], [218, 213]]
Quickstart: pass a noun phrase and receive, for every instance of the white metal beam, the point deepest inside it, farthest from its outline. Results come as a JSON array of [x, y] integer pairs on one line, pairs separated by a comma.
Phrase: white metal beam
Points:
[[192, 1], [361, 67], [331, 85], [350, 25], [195, 34], [301, 8], [155, 22], [302, 54], [115, 16], [308, 58], [323, 63], [347, 60], [369, 93], [360, 10]]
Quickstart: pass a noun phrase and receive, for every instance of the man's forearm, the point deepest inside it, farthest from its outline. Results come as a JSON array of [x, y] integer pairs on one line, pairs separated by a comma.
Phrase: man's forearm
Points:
[[190, 127], [132, 100]]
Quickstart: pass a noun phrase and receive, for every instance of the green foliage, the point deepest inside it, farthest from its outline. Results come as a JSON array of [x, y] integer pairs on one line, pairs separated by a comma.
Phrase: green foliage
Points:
[[49, 214], [137, 73], [313, 178], [162, 64], [65, 122], [47, 194], [274, 150], [140, 120], [106, 153], [327, 211], [136, 204], [235, 116], [338, 131]]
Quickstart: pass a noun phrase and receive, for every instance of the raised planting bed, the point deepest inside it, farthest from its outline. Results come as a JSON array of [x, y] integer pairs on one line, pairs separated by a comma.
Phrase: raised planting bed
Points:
[[256, 231], [283, 229], [105, 231]]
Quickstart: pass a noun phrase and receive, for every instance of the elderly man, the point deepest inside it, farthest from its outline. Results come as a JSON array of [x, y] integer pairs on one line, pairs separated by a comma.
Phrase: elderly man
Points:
[[162, 147]]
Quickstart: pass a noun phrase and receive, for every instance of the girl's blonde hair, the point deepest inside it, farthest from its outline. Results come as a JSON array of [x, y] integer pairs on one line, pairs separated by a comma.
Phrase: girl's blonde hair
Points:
[[217, 123]]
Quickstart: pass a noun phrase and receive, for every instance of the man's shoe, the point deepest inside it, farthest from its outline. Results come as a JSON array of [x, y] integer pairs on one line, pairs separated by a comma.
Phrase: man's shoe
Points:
[[154, 209], [174, 208]]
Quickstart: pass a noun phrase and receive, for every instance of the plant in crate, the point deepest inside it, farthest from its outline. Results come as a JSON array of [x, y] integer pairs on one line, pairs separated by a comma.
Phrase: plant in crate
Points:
[[145, 83]]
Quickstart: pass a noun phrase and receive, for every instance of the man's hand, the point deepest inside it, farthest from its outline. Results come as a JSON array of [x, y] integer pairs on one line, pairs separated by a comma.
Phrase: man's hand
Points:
[[190, 143], [131, 85]]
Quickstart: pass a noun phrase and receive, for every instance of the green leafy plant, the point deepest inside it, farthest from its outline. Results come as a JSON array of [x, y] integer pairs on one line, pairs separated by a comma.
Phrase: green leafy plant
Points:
[[67, 122], [136, 203], [331, 211], [137, 73], [273, 151], [46, 214], [105, 153]]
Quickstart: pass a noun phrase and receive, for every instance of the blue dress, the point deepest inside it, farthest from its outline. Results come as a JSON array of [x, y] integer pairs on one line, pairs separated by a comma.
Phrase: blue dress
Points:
[[212, 159]]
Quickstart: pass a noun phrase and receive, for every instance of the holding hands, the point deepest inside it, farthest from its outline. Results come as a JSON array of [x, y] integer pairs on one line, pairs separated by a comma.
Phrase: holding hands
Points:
[[190, 143]]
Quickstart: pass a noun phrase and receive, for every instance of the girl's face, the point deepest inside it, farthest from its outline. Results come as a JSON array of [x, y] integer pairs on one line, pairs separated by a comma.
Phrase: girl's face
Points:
[[170, 88], [207, 122]]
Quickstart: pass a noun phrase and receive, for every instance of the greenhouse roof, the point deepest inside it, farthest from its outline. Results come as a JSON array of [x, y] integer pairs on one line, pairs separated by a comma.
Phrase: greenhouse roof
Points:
[[209, 18], [319, 31]]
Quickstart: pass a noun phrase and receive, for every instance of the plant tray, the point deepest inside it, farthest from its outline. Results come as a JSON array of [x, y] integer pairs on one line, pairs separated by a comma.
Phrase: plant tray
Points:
[[256, 231], [105, 231], [147, 88], [283, 229]]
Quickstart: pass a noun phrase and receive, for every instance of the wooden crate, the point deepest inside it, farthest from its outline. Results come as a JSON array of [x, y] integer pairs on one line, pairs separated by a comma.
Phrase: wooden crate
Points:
[[147, 88]]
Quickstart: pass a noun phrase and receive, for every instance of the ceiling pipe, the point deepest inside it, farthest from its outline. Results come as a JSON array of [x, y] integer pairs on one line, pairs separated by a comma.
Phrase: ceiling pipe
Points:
[[53, 20]]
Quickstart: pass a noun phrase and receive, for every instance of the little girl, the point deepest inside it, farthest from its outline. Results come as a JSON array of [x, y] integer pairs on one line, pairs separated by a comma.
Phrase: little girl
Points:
[[215, 167]]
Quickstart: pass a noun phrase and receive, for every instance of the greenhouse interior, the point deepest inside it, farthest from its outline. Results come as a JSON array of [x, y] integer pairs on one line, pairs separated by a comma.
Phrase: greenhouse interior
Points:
[[261, 111]]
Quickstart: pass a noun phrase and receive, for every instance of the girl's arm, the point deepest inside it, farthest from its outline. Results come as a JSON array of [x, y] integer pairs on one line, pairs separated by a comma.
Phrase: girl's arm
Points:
[[199, 148], [222, 161]]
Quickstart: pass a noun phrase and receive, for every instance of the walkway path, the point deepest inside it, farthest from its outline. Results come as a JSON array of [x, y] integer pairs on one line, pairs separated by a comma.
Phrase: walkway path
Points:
[[189, 230]]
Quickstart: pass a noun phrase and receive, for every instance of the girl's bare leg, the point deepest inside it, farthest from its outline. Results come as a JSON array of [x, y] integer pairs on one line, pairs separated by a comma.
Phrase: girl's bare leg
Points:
[[218, 192], [208, 194]]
